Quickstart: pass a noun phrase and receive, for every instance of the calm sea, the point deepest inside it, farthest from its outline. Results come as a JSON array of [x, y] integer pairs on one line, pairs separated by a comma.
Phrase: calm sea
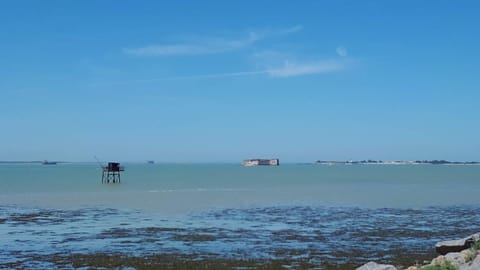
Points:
[[343, 213]]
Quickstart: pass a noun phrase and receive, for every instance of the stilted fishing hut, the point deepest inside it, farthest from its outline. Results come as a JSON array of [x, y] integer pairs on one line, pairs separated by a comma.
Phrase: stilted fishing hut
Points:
[[111, 172]]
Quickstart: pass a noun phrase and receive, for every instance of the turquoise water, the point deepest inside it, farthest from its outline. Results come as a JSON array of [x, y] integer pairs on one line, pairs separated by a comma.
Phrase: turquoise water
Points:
[[322, 214], [178, 188]]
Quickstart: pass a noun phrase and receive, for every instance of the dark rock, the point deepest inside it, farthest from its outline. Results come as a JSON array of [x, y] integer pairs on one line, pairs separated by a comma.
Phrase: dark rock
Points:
[[456, 245]]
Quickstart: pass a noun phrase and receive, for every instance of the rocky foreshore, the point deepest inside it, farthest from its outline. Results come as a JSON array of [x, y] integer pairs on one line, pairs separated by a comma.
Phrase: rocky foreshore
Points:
[[459, 254]]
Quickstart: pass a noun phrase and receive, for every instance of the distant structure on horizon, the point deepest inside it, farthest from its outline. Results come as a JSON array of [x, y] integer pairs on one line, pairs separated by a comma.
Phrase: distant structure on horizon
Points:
[[46, 162], [261, 162], [111, 172]]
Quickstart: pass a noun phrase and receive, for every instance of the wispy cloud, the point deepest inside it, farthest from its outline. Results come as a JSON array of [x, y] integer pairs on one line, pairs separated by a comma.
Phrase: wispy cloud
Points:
[[283, 31], [287, 70], [210, 45], [182, 78], [299, 69], [278, 64]]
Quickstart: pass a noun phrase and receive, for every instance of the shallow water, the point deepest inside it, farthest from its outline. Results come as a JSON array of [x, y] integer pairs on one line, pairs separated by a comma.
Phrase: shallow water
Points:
[[318, 234], [177, 188], [335, 214]]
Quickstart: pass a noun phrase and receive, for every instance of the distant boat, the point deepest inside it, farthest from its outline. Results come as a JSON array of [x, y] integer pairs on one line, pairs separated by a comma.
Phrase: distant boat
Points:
[[150, 162], [46, 162]]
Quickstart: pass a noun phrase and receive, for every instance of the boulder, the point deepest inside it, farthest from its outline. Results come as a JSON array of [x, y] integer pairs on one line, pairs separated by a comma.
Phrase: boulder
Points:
[[456, 245], [456, 258], [473, 265], [438, 260], [376, 266]]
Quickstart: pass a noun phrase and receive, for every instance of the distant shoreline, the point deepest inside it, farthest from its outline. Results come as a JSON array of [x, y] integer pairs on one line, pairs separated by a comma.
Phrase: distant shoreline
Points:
[[398, 162], [318, 162], [21, 162], [31, 162]]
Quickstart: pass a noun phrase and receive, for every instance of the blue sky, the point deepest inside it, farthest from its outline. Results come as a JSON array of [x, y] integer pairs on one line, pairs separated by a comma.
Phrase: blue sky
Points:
[[220, 81]]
